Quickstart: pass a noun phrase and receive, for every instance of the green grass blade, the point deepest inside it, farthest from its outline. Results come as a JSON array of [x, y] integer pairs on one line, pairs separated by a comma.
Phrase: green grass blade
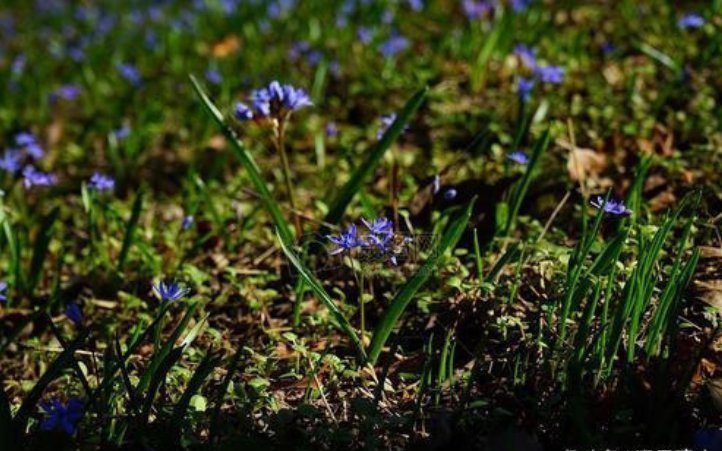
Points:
[[130, 229], [159, 357], [364, 171], [210, 361], [40, 249], [247, 161], [407, 292], [323, 296], [519, 193]]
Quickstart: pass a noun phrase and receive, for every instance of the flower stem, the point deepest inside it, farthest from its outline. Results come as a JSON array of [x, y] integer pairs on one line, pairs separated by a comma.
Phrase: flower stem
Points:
[[281, 147]]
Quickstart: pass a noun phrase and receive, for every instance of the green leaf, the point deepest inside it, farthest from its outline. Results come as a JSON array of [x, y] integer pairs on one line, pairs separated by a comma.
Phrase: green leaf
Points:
[[209, 362], [247, 161], [40, 250], [130, 228], [368, 167], [315, 285], [407, 292]]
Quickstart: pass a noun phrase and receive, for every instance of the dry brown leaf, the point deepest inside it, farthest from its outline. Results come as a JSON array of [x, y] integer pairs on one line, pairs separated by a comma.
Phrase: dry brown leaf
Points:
[[710, 292], [710, 252], [583, 163], [715, 390]]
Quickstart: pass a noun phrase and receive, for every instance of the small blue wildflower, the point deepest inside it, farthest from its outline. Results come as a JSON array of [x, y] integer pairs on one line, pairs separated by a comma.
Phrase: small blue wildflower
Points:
[[33, 177], [415, 5], [214, 77], [122, 132], [346, 240], [379, 226], [35, 151], [3, 291], [130, 73], [243, 112], [101, 182], [518, 157], [75, 314], [524, 87], [11, 161], [527, 55], [520, 5], [364, 35], [18, 65], [170, 291], [275, 100], [393, 45], [24, 139], [187, 222], [386, 122], [59, 416], [450, 194], [475, 9], [690, 20], [613, 207], [65, 92], [550, 74], [331, 129]]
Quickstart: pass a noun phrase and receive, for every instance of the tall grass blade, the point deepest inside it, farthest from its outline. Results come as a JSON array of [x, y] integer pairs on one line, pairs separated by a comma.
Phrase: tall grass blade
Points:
[[130, 229]]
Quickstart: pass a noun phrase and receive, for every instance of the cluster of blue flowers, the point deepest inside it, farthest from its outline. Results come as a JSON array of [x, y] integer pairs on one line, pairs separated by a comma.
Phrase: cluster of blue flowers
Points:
[[379, 238], [545, 73], [275, 101]]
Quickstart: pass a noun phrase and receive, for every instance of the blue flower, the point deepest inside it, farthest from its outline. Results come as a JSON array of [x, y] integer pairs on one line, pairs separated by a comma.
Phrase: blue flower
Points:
[[75, 314], [243, 112], [130, 73], [346, 240], [187, 222], [11, 161], [518, 157], [393, 45], [450, 194], [122, 132], [690, 20], [65, 92], [416, 5], [386, 122], [101, 182], [520, 5], [612, 207], [364, 35], [527, 55], [170, 291], [33, 177], [380, 226], [550, 74], [475, 9], [525, 86], [25, 139], [274, 100], [331, 129], [3, 291], [59, 416], [214, 77]]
